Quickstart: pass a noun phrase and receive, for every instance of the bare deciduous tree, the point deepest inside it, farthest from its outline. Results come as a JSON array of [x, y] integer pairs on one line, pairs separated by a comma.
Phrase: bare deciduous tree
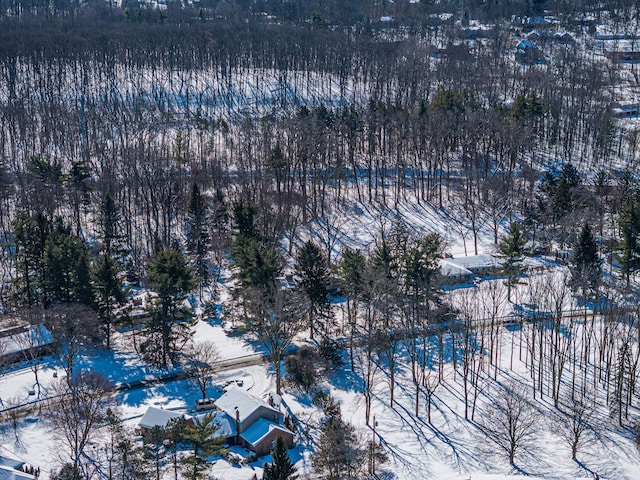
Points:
[[511, 420], [78, 404], [15, 410], [275, 321], [575, 424], [34, 341], [73, 326], [201, 358]]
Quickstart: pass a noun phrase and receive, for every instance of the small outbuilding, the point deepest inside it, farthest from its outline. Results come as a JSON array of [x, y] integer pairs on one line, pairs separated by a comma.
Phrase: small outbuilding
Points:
[[25, 342], [157, 417], [12, 469]]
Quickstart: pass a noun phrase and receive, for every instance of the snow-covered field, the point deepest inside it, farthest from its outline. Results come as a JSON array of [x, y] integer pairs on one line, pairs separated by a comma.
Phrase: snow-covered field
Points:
[[448, 448]]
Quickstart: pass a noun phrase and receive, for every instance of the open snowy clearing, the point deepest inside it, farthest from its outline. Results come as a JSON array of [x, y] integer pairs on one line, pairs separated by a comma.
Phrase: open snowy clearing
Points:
[[448, 448]]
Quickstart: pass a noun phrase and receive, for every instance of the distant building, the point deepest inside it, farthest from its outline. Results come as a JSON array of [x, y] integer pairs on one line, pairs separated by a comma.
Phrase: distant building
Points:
[[625, 109], [451, 273], [623, 56], [564, 38], [459, 52], [538, 21], [528, 53], [25, 342], [484, 264]]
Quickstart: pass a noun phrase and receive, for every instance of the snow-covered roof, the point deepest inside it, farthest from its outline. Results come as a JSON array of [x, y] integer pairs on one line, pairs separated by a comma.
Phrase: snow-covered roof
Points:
[[8, 473], [157, 417], [33, 336], [244, 402], [537, 21], [472, 262], [226, 424], [10, 462], [260, 429], [524, 44], [450, 269]]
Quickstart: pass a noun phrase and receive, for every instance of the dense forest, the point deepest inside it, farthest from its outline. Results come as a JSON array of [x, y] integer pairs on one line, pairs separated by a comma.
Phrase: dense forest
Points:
[[289, 106]]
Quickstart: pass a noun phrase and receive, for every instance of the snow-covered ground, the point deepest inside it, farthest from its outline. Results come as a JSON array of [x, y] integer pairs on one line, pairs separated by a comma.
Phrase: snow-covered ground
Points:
[[451, 447]]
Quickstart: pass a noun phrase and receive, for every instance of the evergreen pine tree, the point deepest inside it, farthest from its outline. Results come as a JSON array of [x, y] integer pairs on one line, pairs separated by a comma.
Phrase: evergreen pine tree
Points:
[[352, 283], [627, 188], [563, 198], [30, 235], [174, 434], [257, 259], [83, 289], [351, 271], [197, 233], [154, 448], [338, 453], [78, 189], [244, 219], [105, 274], [109, 228], [352, 279], [258, 263], [201, 435], [629, 222], [311, 267], [171, 278], [420, 266], [512, 249], [67, 269], [584, 263], [383, 261], [281, 468]]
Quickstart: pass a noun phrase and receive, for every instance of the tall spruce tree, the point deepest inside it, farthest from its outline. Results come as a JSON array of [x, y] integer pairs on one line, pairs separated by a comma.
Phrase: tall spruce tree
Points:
[[106, 271], [78, 190], [311, 267], [197, 234], [281, 468], [420, 268], [585, 265], [66, 266], [352, 282], [512, 248], [629, 223], [256, 257], [171, 278], [30, 236], [338, 453], [563, 197]]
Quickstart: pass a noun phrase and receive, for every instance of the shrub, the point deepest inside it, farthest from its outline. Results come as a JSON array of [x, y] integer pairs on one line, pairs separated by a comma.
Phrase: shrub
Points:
[[301, 368]]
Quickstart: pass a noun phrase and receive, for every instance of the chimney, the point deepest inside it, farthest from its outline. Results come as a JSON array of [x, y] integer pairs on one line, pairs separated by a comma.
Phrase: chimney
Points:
[[238, 423]]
